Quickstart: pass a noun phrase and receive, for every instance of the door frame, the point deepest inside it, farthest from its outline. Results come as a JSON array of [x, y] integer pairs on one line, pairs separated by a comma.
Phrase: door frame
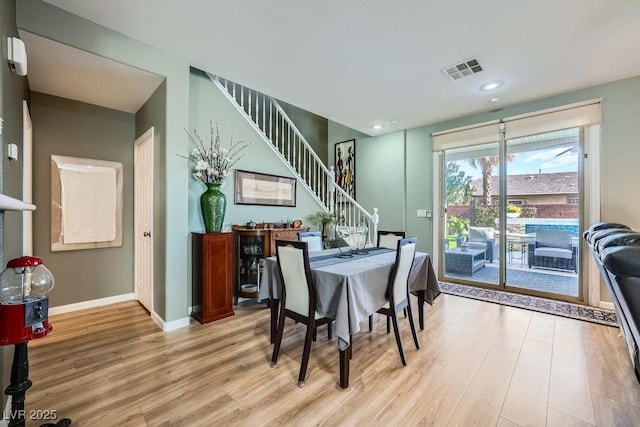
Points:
[[147, 136], [589, 212], [27, 179]]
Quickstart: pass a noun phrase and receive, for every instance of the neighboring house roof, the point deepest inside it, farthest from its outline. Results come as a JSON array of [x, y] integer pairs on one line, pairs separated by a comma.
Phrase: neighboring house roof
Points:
[[532, 184]]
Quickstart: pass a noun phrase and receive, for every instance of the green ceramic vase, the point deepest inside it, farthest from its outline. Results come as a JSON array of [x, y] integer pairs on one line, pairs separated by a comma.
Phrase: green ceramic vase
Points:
[[213, 204]]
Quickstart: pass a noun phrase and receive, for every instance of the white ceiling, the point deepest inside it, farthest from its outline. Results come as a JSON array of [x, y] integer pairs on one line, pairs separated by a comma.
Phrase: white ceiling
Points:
[[358, 62], [60, 70]]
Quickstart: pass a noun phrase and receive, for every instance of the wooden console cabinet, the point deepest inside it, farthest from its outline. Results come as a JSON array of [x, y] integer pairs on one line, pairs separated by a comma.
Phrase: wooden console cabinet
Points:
[[252, 246], [213, 276]]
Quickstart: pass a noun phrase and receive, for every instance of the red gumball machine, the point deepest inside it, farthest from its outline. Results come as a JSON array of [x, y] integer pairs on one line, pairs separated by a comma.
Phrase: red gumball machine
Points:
[[24, 311], [24, 308]]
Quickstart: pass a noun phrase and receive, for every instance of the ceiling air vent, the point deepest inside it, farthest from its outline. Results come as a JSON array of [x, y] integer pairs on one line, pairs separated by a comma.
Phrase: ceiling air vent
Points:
[[463, 69]]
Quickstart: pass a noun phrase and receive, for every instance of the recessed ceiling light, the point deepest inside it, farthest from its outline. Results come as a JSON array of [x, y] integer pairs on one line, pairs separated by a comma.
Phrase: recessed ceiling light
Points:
[[376, 126], [491, 85], [494, 100]]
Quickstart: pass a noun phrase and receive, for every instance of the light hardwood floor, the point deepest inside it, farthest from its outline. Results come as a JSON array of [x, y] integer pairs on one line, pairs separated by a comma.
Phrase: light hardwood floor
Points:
[[479, 364]]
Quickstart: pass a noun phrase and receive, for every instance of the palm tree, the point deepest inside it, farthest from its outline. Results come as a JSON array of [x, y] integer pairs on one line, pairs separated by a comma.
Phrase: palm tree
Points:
[[486, 165]]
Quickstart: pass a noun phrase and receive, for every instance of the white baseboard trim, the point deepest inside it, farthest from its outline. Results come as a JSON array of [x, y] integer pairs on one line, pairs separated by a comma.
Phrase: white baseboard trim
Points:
[[90, 304], [170, 326], [607, 305]]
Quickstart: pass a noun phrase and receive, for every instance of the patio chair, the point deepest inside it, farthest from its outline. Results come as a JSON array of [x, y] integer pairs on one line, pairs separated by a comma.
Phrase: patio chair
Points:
[[483, 238], [553, 249]]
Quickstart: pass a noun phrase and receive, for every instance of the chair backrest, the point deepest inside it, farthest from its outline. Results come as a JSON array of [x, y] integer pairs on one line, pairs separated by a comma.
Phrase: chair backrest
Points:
[[480, 234], [389, 239], [298, 292], [313, 238], [398, 287], [553, 239]]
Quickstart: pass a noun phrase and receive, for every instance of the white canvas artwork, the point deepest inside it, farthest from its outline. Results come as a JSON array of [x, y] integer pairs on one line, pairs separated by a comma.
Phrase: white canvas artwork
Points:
[[86, 203]]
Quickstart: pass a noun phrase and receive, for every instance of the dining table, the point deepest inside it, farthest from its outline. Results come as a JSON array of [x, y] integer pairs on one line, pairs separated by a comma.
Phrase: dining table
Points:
[[351, 287]]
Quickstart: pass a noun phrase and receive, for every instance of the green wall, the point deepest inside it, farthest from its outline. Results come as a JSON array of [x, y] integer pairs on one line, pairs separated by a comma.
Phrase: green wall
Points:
[[47, 21], [314, 128], [619, 154], [381, 166], [70, 128], [208, 103]]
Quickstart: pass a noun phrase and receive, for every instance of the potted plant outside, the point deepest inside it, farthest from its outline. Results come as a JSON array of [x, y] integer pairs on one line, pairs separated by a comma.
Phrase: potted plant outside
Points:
[[513, 211], [457, 227]]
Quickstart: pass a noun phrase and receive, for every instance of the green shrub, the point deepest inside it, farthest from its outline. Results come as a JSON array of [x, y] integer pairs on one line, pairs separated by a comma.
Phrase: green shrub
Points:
[[528, 212], [484, 216], [457, 225]]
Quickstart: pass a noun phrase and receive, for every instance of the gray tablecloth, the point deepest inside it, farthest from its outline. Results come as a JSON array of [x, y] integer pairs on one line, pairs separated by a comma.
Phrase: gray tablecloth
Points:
[[350, 290]]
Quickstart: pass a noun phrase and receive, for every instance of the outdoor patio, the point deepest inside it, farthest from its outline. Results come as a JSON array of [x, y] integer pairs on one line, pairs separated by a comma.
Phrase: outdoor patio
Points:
[[521, 276]]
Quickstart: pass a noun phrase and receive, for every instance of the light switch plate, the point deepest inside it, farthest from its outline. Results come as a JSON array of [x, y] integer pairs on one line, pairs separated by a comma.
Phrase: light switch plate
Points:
[[12, 151]]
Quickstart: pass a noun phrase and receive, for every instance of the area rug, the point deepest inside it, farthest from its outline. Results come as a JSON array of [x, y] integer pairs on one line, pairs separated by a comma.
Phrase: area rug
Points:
[[559, 308]]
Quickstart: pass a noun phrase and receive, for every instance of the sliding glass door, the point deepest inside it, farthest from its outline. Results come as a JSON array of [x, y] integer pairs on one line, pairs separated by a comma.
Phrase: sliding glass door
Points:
[[471, 248], [543, 200], [513, 205]]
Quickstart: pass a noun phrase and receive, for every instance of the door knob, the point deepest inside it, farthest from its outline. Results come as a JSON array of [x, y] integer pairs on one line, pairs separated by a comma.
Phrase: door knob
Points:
[[146, 234]]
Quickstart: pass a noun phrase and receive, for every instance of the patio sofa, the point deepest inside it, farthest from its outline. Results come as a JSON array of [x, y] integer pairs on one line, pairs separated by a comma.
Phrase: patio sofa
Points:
[[616, 250], [553, 249], [483, 238]]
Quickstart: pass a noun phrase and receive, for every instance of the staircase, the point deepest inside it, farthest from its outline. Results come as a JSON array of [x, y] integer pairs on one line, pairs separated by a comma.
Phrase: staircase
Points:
[[278, 131]]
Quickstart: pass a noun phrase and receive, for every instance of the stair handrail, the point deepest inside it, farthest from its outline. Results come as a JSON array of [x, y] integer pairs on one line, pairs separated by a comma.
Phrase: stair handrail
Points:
[[326, 195]]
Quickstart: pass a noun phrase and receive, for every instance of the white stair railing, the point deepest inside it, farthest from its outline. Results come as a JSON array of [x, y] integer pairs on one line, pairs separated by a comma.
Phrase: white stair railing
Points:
[[278, 131]]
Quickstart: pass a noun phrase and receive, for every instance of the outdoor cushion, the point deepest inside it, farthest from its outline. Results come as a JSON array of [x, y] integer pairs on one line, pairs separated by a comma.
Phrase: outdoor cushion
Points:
[[480, 234], [554, 239], [553, 252]]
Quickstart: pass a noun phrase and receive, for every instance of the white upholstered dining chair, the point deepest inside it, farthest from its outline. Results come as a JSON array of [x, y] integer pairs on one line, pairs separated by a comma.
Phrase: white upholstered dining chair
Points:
[[398, 292], [297, 298], [389, 239], [313, 238]]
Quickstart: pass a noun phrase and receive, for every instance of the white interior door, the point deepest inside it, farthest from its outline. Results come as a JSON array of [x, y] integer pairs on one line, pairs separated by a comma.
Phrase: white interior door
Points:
[[143, 214]]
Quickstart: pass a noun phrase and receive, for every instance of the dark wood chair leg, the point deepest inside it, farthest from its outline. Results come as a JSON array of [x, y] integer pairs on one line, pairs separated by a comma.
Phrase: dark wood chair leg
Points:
[[276, 346], [413, 327], [396, 330], [421, 309], [311, 329], [370, 322], [273, 304], [330, 330], [388, 325]]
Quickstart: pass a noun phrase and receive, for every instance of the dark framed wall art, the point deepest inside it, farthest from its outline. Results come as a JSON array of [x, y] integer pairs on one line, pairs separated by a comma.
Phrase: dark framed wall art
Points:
[[253, 188], [345, 166]]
